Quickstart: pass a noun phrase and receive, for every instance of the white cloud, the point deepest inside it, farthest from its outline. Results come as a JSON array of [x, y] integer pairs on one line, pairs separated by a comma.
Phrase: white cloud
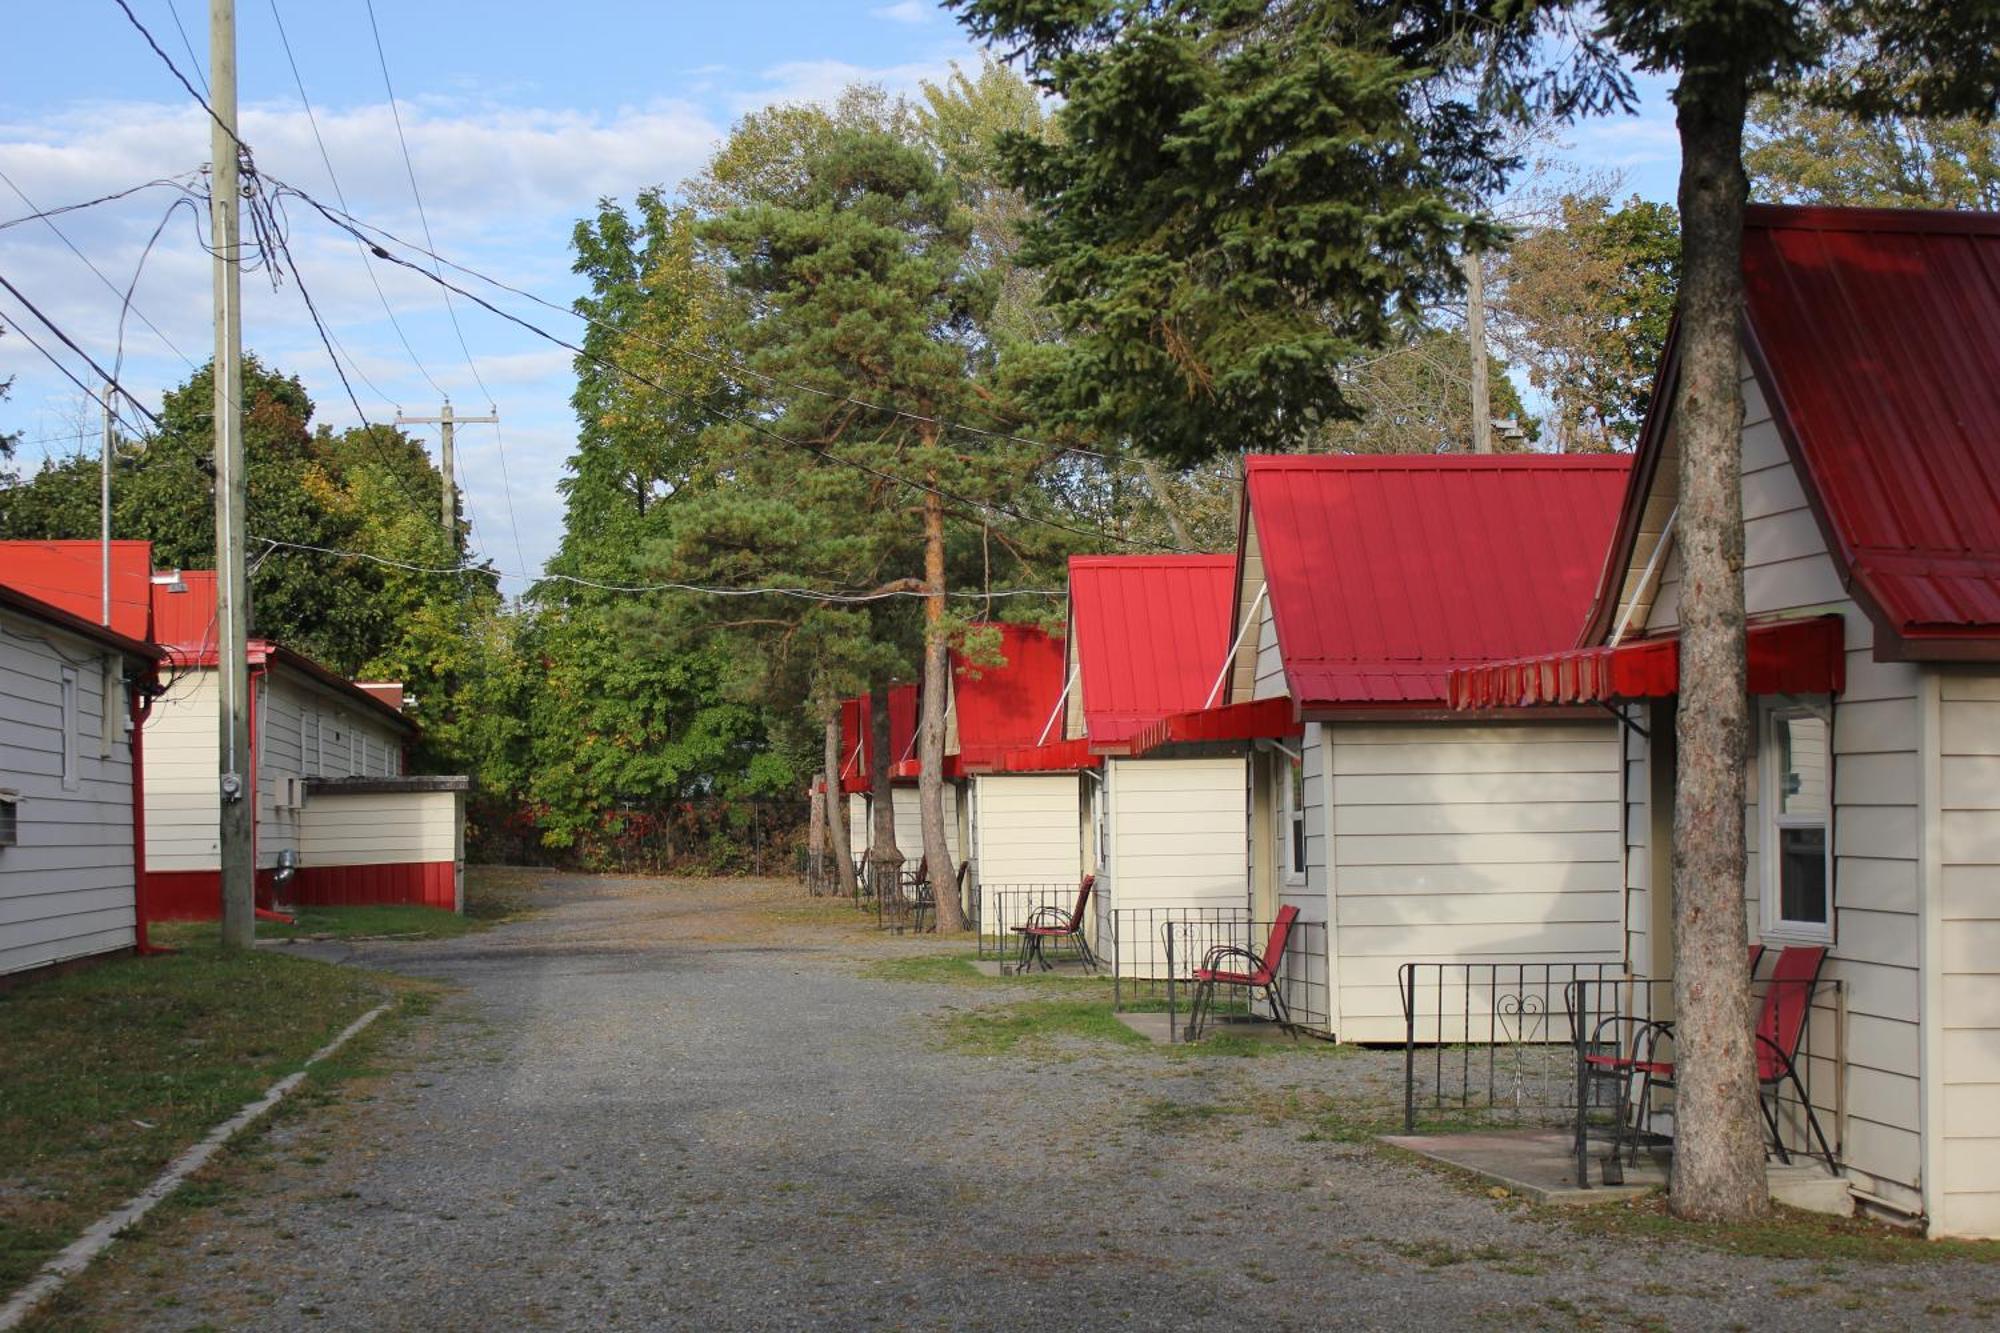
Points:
[[904, 11]]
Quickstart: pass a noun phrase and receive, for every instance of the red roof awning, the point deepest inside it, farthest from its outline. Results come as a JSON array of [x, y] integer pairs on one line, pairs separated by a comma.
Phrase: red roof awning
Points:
[[1786, 657], [1055, 757], [1263, 719]]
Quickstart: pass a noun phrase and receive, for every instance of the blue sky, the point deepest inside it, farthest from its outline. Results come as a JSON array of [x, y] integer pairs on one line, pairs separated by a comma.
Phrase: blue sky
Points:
[[519, 115]]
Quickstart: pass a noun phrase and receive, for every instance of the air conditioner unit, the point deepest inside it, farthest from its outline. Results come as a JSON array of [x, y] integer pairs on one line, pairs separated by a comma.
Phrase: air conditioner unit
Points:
[[10, 818]]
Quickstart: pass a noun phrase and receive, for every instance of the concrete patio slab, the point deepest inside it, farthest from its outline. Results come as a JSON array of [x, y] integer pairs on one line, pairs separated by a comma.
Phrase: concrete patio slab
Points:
[[1152, 1025], [1537, 1164]]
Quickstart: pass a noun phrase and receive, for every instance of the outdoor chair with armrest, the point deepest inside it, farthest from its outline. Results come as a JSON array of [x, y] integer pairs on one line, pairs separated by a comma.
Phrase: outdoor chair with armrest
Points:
[[1253, 971], [1048, 924]]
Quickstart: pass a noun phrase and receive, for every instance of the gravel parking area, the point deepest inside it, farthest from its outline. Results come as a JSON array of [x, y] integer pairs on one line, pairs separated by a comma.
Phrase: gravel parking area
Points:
[[667, 1105]]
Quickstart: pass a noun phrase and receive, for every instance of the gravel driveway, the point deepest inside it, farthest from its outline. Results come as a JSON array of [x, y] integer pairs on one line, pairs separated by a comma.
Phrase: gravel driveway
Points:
[[672, 1105]]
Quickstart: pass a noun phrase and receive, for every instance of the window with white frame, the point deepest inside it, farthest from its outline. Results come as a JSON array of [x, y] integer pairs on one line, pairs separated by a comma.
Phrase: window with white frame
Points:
[[1292, 815], [1797, 800], [72, 708]]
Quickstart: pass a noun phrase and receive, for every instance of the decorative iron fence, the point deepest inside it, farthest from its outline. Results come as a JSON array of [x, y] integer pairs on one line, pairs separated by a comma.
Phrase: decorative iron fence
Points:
[[1002, 907], [1493, 1038], [1633, 1017], [1164, 971]]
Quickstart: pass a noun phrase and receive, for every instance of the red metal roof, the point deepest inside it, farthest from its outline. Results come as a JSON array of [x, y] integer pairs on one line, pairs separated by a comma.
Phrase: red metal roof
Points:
[[854, 714], [1262, 719], [1055, 757], [1385, 573], [856, 730], [1006, 705], [1149, 633], [1877, 334], [49, 613], [1805, 656], [69, 575]]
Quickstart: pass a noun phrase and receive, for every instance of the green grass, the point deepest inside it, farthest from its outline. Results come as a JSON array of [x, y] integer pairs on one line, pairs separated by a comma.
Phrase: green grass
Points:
[[109, 1071], [1786, 1234], [1035, 1024], [426, 923]]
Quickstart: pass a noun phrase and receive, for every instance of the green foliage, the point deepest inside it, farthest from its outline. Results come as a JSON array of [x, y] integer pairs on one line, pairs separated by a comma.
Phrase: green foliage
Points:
[[1583, 304], [1242, 195]]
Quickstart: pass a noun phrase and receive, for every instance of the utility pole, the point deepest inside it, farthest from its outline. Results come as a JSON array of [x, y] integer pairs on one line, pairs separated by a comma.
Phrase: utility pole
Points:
[[232, 592], [1475, 334], [448, 460], [104, 516]]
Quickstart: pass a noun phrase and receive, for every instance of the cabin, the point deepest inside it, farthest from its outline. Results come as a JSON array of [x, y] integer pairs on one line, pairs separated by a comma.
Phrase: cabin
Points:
[[1022, 830], [858, 770], [73, 692], [1147, 638], [337, 821], [1401, 830], [1871, 506]]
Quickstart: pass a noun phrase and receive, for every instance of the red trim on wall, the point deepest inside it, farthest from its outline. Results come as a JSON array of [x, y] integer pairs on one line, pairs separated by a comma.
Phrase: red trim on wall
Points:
[[196, 895]]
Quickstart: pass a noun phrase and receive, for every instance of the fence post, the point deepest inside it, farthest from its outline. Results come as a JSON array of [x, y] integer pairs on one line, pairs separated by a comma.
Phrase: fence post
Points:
[[1580, 1023], [1409, 972], [1173, 1021]]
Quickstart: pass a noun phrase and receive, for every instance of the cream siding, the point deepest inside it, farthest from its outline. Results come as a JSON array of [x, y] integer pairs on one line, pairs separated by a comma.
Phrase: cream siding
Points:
[[379, 828], [1967, 1200], [910, 829], [1177, 831], [302, 730], [858, 825], [1469, 842], [1269, 682], [1247, 665], [66, 886], [1026, 835], [1876, 820]]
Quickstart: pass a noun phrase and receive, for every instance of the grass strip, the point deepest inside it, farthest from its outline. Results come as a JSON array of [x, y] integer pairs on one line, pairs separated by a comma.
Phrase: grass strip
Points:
[[109, 1071]]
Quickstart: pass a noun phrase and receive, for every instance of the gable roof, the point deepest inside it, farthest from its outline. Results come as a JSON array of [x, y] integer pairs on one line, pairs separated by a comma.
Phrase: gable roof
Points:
[[1005, 706], [1149, 633], [857, 735], [13, 599], [1386, 572], [1874, 334], [70, 574], [184, 617]]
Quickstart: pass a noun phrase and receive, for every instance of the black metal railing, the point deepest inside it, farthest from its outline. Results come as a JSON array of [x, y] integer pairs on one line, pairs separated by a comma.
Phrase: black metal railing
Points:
[[1185, 940], [1492, 1038], [1135, 944], [1632, 1017], [1003, 907]]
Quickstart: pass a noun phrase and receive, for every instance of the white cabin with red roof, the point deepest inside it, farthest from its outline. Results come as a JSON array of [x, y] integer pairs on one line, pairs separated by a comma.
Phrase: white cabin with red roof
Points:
[[1403, 832], [1871, 501], [72, 689]]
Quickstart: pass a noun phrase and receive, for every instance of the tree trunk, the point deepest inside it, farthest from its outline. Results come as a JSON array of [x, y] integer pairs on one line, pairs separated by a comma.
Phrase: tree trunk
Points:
[[885, 859], [816, 835], [1718, 1137], [836, 810], [930, 734]]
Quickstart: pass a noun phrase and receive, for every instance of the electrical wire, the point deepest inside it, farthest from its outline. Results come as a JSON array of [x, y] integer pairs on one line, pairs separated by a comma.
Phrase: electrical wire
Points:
[[735, 367], [749, 423], [48, 220], [194, 61], [326, 158], [43, 214], [71, 343], [796, 593]]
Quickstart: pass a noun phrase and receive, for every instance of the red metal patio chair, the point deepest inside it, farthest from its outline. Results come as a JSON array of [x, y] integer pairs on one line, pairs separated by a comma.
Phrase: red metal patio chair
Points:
[[1048, 925], [1260, 972], [1781, 1029]]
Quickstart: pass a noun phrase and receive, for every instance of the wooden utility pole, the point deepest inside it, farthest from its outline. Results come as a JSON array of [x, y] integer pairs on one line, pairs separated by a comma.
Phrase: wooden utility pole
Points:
[[238, 853], [445, 421], [1475, 335]]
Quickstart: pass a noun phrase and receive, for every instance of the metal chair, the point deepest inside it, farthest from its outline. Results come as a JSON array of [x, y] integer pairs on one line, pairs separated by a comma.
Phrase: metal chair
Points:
[[1261, 973], [1048, 925]]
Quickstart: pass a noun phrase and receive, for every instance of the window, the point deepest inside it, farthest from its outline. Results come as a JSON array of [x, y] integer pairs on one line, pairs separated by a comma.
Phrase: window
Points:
[[1292, 815], [1797, 797], [71, 706]]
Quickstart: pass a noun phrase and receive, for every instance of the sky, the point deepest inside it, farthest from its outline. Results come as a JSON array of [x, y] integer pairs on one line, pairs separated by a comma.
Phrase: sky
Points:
[[520, 115]]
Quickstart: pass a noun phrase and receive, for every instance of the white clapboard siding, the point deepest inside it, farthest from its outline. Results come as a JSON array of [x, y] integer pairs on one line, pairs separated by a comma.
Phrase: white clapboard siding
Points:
[[1877, 820], [1178, 832], [183, 805], [378, 828], [1269, 682], [1969, 904], [1469, 842], [910, 827], [1028, 828], [857, 822], [66, 887]]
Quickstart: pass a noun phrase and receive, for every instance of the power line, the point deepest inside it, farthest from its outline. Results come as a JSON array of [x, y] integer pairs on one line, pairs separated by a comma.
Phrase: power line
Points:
[[71, 343], [327, 159], [736, 367], [48, 220], [43, 214], [796, 593], [749, 423], [194, 61]]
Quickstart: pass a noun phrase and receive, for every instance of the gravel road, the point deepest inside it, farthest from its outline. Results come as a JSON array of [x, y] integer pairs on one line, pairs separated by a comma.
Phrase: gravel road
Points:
[[687, 1105]]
